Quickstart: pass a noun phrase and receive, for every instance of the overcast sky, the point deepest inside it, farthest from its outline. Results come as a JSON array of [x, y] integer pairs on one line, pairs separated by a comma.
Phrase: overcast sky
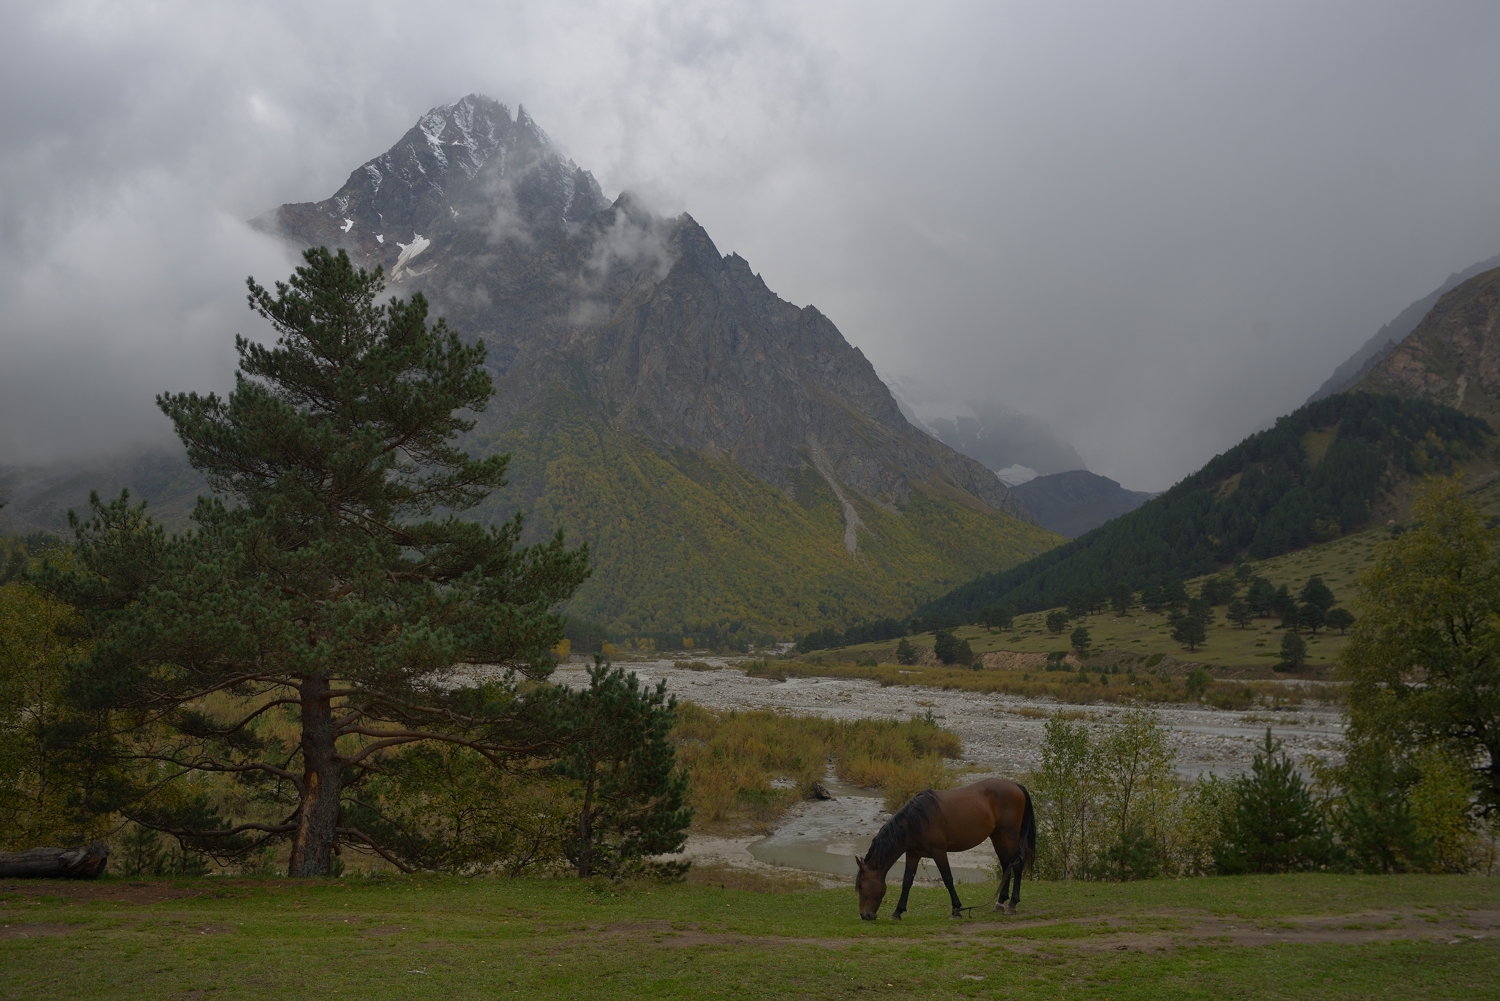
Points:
[[1155, 226]]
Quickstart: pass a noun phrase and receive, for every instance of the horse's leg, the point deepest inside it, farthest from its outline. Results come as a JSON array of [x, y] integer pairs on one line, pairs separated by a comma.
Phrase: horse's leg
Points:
[[1005, 868], [1020, 866], [913, 859], [941, 858]]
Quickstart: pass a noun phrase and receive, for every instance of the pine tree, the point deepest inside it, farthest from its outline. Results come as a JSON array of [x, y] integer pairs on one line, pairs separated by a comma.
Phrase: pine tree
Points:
[[620, 758], [1377, 830], [1340, 619], [326, 582], [1317, 593], [1293, 651], [1275, 826], [1190, 632]]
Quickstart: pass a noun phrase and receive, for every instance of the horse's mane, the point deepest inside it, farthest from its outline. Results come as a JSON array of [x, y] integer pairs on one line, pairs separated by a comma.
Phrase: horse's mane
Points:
[[890, 841]]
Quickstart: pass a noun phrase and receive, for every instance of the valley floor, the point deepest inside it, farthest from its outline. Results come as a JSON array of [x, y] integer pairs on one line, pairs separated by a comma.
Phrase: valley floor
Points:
[[1002, 735]]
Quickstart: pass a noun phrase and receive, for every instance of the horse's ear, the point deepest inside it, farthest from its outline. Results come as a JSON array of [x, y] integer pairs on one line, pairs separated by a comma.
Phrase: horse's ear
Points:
[[859, 860]]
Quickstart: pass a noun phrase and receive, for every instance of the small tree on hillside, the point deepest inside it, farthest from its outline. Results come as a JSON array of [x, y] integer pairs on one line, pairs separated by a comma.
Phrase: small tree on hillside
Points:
[[1201, 608], [1261, 597], [1240, 613], [1293, 651], [1190, 632], [1317, 593], [1057, 621], [1285, 606], [1081, 642], [1340, 619], [1121, 599], [1002, 617], [905, 652], [1310, 617], [328, 590]]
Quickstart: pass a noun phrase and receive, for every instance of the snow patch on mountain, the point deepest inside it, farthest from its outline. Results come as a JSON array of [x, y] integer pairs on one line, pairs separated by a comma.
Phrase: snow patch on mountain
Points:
[[1014, 476], [409, 251]]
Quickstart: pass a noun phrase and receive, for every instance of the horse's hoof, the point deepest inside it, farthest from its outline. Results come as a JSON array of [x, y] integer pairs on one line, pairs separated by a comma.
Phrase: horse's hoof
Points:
[[999, 907], [1010, 909], [896, 917], [956, 914]]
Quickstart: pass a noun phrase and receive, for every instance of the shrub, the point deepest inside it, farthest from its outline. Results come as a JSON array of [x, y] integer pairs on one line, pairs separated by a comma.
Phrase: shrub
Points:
[[905, 652], [950, 649]]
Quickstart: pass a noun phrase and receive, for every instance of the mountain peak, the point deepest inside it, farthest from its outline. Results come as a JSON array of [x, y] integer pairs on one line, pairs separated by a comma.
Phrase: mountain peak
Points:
[[632, 325]]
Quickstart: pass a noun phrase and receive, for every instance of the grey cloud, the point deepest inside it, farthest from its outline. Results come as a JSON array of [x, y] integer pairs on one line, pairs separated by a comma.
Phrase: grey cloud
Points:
[[1153, 225]]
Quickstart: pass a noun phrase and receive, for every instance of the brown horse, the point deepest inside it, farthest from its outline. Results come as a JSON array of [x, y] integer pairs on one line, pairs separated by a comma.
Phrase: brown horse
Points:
[[933, 824]]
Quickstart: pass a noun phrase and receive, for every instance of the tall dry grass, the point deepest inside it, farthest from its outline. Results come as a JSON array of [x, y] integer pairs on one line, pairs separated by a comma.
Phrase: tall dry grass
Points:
[[752, 766]]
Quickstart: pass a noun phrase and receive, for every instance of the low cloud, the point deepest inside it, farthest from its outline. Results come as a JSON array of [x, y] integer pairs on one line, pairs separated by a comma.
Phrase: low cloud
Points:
[[1152, 227]]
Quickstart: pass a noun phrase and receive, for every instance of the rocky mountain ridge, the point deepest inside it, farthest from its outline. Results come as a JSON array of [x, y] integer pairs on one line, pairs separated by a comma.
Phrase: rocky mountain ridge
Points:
[[728, 455], [516, 245], [1452, 357], [1387, 337]]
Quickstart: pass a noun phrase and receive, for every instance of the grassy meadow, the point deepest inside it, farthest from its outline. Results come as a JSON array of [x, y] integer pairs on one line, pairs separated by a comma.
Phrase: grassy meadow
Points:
[[729, 934], [1142, 638]]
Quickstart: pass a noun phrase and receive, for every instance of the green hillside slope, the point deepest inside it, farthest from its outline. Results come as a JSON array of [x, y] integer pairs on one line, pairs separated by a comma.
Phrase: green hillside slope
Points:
[[684, 542], [1332, 467]]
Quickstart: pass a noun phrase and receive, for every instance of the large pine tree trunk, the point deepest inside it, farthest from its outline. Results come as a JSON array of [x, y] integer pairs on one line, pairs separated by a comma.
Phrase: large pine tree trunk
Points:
[[318, 813]]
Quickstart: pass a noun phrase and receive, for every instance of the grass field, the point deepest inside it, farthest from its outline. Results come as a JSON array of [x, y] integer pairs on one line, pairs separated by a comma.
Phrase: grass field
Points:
[[723, 935]]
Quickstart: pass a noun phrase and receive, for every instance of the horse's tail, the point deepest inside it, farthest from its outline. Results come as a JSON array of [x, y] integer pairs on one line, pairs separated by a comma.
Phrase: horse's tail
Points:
[[1028, 832]]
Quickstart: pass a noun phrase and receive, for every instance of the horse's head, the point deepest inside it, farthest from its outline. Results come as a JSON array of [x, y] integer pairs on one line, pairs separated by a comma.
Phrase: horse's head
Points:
[[870, 883]]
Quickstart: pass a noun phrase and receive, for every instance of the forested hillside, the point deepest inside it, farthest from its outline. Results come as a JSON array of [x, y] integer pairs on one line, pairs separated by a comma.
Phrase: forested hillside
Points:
[[1331, 467], [683, 543]]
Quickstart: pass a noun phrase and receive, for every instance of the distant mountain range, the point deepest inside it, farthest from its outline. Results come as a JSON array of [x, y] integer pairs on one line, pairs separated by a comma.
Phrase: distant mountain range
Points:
[[1042, 470], [1426, 405]]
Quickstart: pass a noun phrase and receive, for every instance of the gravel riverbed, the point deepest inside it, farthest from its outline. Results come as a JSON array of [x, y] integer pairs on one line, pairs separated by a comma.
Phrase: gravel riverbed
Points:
[[1002, 734]]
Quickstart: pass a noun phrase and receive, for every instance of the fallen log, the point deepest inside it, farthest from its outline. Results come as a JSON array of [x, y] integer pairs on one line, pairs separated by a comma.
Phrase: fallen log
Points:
[[85, 862]]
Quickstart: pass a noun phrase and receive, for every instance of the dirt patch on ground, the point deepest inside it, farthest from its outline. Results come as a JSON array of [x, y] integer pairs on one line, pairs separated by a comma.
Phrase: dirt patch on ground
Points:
[[765, 879], [110, 890], [1149, 931], [35, 930], [1010, 660]]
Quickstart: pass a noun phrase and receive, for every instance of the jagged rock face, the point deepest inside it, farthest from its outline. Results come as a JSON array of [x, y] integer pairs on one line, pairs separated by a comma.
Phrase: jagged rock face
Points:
[[1453, 355], [515, 244]]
